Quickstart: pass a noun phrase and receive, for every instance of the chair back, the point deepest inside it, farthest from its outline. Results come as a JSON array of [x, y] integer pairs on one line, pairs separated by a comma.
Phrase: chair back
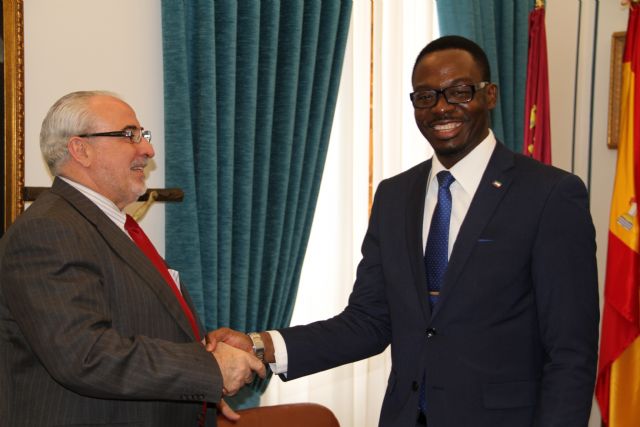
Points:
[[287, 415]]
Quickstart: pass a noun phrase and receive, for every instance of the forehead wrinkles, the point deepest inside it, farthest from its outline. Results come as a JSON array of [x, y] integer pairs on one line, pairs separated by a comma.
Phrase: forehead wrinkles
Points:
[[113, 114], [445, 68]]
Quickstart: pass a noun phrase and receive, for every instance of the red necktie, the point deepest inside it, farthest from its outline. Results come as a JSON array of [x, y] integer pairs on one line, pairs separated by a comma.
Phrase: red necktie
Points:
[[145, 245]]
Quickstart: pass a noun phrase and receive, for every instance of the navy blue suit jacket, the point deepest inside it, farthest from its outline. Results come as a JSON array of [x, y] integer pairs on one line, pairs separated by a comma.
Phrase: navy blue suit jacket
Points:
[[513, 339]]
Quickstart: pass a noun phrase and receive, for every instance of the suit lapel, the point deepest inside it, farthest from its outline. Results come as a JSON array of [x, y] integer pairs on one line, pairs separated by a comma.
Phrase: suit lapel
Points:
[[494, 184], [414, 219], [126, 249]]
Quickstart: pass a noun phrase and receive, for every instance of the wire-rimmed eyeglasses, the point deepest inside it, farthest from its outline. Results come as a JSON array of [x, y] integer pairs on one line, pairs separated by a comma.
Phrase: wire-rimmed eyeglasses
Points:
[[458, 94], [135, 135]]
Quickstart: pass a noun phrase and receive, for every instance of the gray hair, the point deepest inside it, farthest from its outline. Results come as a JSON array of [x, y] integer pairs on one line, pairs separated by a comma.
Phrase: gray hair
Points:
[[69, 116]]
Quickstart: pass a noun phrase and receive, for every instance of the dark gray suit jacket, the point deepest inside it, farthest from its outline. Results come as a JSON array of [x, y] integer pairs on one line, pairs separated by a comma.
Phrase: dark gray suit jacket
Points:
[[90, 333], [513, 339]]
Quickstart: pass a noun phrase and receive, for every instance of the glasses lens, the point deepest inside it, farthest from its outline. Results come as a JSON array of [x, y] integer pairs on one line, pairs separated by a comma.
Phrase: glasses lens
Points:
[[132, 134], [459, 94], [424, 98], [136, 135]]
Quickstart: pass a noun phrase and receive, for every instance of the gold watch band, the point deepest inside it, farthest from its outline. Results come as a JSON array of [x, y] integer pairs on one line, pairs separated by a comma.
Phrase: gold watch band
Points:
[[258, 345]]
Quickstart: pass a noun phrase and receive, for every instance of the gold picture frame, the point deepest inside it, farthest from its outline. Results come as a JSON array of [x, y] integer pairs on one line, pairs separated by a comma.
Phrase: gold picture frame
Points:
[[615, 88], [13, 153]]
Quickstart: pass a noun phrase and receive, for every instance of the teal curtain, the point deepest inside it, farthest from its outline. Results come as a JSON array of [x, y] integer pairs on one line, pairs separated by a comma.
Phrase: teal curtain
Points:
[[501, 29], [250, 92]]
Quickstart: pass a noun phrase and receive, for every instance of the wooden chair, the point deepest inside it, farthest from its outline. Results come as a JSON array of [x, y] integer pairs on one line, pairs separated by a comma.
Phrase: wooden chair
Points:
[[288, 415]]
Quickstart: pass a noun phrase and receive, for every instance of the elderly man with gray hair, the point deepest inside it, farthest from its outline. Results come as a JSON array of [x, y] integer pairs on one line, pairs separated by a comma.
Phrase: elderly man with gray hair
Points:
[[95, 328]]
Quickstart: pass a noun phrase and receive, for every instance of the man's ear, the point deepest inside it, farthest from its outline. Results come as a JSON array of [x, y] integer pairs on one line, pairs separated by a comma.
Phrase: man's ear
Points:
[[79, 150], [492, 96]]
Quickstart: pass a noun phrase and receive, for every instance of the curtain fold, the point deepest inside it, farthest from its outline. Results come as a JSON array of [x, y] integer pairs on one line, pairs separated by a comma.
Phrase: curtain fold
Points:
[[355, 391], [501, 29], [250, 92]]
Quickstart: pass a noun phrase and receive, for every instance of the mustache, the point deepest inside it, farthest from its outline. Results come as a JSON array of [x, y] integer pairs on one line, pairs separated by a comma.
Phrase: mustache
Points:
[[138, 164], [439, 119], [447, 116]]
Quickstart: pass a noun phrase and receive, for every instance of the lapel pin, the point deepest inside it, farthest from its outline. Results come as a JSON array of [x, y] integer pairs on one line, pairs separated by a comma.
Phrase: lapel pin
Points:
[[496, 184]]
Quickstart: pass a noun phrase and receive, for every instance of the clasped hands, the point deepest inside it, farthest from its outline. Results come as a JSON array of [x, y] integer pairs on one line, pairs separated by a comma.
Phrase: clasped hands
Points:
[[236, 361], [234, 353]]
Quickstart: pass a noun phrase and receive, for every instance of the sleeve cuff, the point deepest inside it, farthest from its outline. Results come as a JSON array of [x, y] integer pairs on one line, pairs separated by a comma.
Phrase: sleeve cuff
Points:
[[281, 365]]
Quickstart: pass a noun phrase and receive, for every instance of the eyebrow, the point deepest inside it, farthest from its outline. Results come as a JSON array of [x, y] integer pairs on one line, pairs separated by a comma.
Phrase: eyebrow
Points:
[[456, 82]]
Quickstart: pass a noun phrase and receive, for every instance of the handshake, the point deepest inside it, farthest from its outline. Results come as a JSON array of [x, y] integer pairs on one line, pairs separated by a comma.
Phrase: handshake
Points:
[[238, 364]]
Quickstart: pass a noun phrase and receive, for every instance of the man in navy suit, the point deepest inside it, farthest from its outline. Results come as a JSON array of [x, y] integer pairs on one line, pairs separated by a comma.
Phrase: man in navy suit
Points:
[[509, 337]]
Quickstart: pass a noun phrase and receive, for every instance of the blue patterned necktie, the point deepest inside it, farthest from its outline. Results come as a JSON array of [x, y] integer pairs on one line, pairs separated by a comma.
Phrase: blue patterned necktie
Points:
[[436, 254]]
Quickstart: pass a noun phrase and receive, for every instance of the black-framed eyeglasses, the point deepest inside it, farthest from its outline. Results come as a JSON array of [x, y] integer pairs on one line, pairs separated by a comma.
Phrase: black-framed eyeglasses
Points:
[[459, 94], [135, 135]]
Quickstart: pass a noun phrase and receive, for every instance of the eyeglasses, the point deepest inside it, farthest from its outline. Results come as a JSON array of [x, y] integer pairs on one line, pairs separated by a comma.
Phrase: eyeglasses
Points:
[[459, 94], [134, 134]]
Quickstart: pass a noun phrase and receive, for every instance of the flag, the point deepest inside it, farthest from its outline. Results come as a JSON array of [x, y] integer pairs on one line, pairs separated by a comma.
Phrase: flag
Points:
[[618, 381], [537, 127]]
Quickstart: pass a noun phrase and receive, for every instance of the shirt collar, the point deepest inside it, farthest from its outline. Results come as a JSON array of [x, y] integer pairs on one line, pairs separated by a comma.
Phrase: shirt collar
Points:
[[468, 171], [103, 203]]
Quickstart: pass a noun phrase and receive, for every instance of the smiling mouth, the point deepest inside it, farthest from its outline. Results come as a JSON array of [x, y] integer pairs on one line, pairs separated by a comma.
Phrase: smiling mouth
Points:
[[138, 168], [446, 126]]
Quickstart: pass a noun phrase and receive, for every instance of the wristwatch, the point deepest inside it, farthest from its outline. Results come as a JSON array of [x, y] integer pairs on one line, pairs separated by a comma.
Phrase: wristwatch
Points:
[[258, 345]]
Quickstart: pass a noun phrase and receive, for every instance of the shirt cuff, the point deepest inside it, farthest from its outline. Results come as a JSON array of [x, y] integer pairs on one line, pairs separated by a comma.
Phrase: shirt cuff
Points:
[[281, 365]]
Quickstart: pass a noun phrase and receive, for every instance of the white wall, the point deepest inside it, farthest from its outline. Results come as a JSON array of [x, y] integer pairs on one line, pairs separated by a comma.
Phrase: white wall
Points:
[[116, 45], [113, 45], [579, 45]]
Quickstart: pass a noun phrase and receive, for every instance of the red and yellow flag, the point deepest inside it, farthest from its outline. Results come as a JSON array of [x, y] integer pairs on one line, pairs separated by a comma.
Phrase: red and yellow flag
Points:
[[537, 127], [618, 382]]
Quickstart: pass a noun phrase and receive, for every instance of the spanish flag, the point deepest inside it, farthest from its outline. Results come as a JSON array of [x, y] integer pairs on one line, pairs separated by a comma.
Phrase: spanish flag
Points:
[[618, 382], [537, 126]]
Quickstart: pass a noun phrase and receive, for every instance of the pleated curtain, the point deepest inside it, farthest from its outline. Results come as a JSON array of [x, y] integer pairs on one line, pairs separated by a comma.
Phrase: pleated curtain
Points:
[[501, 29], [250, 92]]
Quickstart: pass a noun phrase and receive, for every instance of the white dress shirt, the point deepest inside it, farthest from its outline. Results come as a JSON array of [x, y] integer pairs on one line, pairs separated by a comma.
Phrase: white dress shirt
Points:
[[111, 210], [467, 172]]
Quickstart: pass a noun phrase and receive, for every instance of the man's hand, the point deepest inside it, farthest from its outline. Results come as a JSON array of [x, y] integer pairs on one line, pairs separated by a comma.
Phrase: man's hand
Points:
[[230, 337], [227, 411], [237, 367]]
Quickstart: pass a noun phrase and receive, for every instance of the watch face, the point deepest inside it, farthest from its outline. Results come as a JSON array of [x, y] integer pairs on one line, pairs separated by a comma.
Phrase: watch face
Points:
[[258, 345]]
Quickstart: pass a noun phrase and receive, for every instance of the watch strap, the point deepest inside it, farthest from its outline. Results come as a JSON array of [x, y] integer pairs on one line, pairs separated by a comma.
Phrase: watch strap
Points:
[[258, 345]]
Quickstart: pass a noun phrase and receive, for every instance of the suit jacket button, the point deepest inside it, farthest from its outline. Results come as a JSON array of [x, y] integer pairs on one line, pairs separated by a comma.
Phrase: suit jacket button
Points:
[[415, 386], [431, 332]]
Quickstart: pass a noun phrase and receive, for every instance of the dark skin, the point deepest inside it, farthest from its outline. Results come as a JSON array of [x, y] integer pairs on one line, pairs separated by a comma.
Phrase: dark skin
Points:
[[453, 130], [241, 341]]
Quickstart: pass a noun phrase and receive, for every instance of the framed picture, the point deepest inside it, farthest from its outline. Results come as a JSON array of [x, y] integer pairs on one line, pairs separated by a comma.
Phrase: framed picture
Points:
[[13, 110], [615, 87]]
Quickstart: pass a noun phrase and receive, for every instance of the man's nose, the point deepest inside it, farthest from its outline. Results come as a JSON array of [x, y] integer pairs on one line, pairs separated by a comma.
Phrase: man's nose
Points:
[[442, 104], [146, 148]]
